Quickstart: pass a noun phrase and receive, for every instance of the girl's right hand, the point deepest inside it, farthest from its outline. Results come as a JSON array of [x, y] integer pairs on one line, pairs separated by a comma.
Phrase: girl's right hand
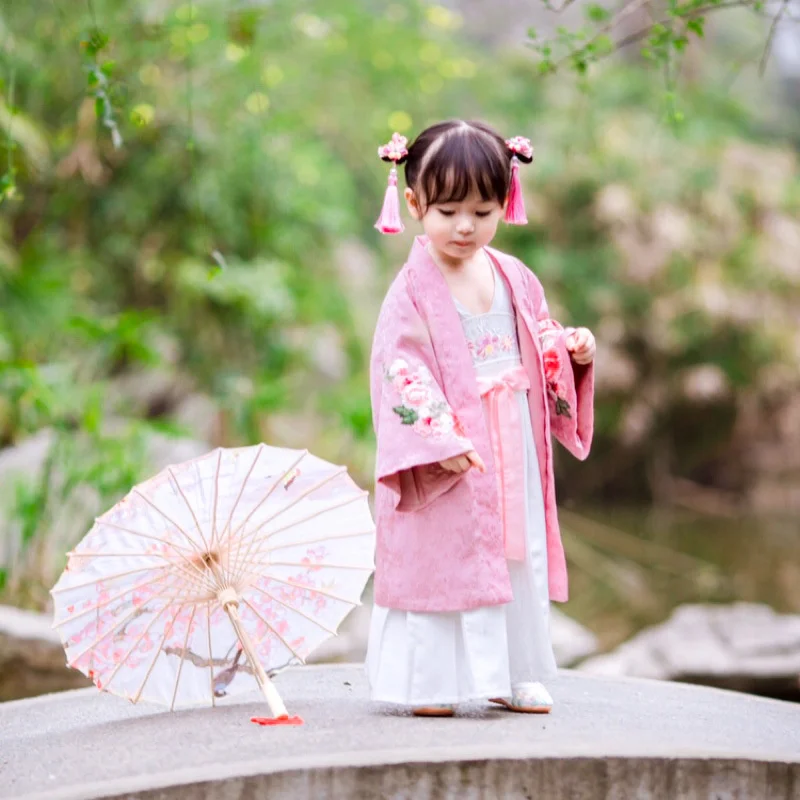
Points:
[[461, 464]]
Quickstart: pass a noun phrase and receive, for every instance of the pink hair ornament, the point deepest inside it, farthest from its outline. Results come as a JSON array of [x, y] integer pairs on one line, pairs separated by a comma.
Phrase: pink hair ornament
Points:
[[395, 151], [521, 150]]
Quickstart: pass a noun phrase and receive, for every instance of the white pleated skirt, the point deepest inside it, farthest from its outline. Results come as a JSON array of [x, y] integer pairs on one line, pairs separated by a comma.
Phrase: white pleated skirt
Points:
[[453, 657]]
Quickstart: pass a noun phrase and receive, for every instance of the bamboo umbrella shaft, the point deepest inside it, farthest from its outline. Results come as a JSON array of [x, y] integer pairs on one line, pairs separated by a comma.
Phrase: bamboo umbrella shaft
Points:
[[273, 699]]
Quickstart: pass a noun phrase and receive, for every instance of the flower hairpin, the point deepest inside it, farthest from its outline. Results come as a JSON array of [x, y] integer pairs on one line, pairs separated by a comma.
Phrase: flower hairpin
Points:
[[395, 149], [521, 147]]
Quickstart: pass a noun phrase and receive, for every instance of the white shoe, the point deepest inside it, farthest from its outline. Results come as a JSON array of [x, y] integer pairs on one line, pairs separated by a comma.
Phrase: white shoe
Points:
[[527, 698]]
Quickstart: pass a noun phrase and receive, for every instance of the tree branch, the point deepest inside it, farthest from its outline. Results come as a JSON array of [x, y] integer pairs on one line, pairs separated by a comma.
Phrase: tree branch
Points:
[[771, 37]]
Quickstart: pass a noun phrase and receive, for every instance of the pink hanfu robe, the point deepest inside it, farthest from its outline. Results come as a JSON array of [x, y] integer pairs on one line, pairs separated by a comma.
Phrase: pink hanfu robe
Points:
[[440, 539]]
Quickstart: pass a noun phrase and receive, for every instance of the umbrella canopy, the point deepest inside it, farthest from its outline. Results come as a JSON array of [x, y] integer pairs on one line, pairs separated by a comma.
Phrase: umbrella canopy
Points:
[[214, 574]]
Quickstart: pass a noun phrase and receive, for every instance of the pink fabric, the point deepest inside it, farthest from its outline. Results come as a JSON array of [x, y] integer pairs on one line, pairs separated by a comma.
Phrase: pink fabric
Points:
[[440, 544], [508, 451], [515, 208], [389, 221]]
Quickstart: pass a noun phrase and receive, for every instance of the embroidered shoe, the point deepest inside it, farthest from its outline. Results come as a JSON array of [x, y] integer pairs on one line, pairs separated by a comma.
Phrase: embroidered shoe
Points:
[[434, 710], [527, 698]]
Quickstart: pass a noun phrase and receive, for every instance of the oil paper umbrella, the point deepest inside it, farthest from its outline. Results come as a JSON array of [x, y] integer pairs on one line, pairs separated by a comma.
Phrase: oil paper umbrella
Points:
[[214, 574]]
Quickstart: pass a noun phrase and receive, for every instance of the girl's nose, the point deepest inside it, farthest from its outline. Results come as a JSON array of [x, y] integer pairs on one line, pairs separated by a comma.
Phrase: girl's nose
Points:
[[464, 226]]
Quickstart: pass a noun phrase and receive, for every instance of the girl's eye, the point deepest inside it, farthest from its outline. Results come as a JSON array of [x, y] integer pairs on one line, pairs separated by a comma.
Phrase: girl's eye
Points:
[[445, 213], [482, 213]]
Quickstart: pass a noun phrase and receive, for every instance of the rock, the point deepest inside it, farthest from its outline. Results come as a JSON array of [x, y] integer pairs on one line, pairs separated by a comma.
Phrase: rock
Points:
[[351, 643], [149, 392], [743, 646], [200, 415], [32, 660], [571, 641]]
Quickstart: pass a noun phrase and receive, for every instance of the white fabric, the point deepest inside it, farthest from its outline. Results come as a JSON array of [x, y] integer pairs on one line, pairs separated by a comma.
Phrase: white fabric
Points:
[[418, 658]]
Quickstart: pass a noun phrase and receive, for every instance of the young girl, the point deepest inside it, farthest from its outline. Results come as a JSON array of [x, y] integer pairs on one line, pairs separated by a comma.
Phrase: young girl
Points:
[[469, 377]]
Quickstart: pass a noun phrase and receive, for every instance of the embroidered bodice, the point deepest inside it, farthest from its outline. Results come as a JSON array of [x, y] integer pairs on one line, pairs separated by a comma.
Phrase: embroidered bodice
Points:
[[492, 337]]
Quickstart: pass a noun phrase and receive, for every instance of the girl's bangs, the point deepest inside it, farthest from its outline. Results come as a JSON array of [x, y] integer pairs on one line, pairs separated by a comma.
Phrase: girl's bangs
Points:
[[464, 165]]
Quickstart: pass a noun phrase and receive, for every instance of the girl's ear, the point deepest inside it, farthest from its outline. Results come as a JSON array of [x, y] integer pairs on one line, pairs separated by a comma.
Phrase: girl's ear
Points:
[[413, 204]]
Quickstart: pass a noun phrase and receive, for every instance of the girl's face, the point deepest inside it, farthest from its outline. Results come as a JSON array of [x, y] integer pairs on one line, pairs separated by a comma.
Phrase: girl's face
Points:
[[457, 230]]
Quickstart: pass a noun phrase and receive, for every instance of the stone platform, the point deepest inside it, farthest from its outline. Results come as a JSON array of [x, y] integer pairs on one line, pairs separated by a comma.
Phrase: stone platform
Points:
[[606, 738]]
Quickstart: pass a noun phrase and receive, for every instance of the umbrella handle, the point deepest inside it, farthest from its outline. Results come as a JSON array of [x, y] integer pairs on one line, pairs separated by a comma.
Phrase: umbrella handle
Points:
[[274, 700]]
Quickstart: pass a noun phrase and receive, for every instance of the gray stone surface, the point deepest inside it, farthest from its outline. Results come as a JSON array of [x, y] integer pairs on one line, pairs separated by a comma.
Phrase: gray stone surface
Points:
[[606, 738], [743, 646]]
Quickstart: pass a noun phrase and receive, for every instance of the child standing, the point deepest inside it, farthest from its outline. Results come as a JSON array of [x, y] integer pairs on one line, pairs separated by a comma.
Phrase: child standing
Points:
[[469, 377]]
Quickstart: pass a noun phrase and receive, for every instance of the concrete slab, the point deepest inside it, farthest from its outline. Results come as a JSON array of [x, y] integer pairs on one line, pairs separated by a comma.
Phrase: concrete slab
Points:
[[606, 738]]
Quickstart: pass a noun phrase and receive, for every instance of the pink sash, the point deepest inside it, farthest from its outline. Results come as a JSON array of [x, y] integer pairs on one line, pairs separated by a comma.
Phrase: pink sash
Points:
[[508, 449]]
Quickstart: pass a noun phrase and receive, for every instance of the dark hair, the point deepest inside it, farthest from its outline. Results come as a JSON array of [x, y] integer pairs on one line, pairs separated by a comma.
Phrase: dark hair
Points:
[[450, 160]]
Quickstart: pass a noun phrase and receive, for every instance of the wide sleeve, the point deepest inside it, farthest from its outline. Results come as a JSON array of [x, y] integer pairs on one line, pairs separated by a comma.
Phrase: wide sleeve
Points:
[[415, 426], [569, 386]]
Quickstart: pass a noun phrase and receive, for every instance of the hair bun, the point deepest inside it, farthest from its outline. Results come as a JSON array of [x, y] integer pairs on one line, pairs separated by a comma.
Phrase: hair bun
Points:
[[395, 150], [521, 148]]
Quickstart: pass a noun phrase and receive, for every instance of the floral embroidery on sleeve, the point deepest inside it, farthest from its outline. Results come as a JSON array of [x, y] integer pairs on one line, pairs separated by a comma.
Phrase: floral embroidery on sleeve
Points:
[[549, 331], [421, 407]]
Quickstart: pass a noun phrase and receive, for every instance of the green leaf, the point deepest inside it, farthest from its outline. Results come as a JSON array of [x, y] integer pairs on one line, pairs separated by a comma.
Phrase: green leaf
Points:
[[603, 45], [697, 26], [406, 414], [597, 13], [532, 33]]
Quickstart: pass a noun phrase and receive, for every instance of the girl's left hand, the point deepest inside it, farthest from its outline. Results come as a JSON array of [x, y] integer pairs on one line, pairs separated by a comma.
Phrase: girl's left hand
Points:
[[581, 346]]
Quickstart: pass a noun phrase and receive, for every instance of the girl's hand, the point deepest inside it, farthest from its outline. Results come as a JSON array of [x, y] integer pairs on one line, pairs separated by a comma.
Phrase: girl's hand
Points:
[[581, 346], [461, 464]]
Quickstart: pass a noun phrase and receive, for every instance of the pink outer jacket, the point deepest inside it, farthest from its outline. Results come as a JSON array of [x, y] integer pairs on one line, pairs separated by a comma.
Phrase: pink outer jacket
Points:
[[439, 536]]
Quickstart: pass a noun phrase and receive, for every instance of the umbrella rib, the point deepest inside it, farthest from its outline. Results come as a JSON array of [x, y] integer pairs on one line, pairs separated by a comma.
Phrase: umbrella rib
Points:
[[134, 646], [116, 627], [227, 526], [296, 610], [309, 589], [60, 589], [183, 656], [180, 551], [252, 536], [209, 585], [311, 566], [189, 506], [321, 540], [168, 519], [101, 521], [285, 643], [232, 533], [216, 497], [341, 504], [210, 655], [113, 599], [167, 631]]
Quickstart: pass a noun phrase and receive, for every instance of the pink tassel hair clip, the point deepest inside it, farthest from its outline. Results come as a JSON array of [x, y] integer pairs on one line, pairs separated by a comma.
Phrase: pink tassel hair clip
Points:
[[522, 151], [395, 151]]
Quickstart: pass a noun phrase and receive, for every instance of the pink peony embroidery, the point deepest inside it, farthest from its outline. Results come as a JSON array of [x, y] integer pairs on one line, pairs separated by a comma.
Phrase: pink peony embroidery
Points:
[[421, 408], [552, 365]]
